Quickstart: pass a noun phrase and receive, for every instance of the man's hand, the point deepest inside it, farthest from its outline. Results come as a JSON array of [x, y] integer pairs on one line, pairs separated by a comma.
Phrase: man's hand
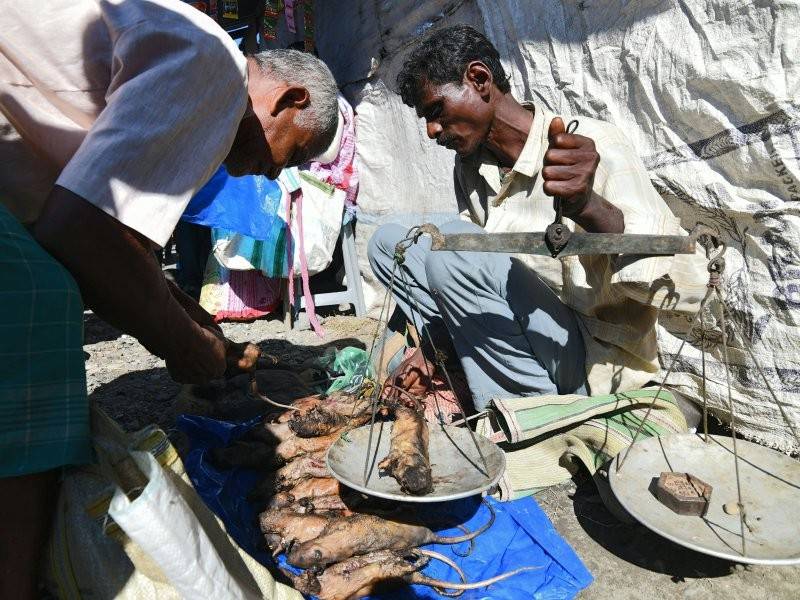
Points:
[[238, 357], [241, 357], [412, 375], [220, 356], [205, 362], [569, 167]]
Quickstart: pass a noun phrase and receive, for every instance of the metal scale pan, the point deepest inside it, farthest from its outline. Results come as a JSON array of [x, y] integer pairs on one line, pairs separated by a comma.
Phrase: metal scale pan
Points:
[[457, 467], [770, 483]]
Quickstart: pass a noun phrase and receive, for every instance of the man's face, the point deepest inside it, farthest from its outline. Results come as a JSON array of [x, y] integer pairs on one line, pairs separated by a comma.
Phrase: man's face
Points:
[[456, 116], [268, 139]]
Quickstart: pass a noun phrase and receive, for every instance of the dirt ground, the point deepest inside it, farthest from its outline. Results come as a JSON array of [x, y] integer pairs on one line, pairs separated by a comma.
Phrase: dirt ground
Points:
[[626, 560]]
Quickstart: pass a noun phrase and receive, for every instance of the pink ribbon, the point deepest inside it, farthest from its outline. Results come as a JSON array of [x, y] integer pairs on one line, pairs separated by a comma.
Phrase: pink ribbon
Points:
[[311, 311]]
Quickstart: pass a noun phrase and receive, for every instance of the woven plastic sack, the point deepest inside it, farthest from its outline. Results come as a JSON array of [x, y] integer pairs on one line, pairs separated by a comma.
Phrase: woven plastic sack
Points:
[[90, 555]]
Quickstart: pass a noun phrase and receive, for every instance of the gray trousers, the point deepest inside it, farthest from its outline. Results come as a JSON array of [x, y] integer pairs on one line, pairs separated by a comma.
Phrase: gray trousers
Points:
[[512, 334]]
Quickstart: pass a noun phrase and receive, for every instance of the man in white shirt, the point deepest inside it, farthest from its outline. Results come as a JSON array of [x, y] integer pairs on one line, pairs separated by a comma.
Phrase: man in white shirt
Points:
[[525, 325], [113, 114]]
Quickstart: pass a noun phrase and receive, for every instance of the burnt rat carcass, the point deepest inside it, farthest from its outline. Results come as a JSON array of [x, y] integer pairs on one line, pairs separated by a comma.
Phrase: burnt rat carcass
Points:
[[330, 415], [344, 537], [362, 575], [408, 461]]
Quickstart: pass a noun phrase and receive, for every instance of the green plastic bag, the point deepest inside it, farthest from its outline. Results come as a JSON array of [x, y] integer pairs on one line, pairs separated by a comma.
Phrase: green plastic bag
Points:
[[352, 365]]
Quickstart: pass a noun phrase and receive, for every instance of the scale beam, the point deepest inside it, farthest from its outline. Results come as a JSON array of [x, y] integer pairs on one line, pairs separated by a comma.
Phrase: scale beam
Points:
[[574, 244], [577, 245]]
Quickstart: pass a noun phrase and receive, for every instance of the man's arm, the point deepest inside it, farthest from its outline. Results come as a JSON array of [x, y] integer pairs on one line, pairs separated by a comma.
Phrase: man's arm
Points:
[[197, 313], [151, 148], [570, 164], [599, 216], [239, 356], [121, 281]]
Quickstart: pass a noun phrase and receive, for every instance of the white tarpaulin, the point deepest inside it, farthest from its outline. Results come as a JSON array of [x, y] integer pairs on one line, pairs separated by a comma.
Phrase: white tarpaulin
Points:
[[707, 91]]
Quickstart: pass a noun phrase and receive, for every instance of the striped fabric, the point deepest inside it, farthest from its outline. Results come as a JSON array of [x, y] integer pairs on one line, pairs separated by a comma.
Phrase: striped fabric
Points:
[[44, 417], [543, 435]]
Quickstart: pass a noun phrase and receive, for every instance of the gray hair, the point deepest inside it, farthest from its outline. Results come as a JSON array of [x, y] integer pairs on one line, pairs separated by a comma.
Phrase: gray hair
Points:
[[301, 68]]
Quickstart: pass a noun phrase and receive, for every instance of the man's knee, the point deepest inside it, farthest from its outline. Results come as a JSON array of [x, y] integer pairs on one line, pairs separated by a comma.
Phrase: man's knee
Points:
[[461, 226], [448, 270], [381, 244]]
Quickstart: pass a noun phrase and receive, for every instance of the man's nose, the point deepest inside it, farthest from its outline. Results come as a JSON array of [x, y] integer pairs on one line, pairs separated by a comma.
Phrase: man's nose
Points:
[[434, 129]]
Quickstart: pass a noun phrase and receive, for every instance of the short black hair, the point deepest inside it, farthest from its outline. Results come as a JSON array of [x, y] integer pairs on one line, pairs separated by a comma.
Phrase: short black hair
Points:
[[443, 56]]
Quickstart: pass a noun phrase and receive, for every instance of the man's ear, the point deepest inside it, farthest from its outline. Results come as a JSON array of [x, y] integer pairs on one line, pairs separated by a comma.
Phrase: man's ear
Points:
[[293, 96], [479, 77]]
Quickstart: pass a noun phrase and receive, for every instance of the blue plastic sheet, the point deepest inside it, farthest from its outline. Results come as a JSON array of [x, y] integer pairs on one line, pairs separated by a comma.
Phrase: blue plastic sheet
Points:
[[248, 205], [522, 535]]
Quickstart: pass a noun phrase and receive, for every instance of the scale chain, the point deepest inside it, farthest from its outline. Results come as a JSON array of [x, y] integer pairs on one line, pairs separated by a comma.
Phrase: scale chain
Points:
[[438, 357], [705, 395], [733, 419], [715, 267], [378, 388], [663, 381], [412, 237], [772, 393]]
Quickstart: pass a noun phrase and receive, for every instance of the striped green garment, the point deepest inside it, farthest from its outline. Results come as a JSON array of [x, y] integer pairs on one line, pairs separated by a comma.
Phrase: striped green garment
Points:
[[542, 435], [44, 414]]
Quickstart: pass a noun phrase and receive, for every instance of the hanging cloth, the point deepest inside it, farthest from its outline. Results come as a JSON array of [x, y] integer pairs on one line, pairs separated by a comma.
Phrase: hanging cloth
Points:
[[289, 15], [294, 210]]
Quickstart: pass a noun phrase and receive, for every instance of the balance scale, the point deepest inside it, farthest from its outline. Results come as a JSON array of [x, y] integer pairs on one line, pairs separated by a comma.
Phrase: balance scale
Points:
[[717, 495]]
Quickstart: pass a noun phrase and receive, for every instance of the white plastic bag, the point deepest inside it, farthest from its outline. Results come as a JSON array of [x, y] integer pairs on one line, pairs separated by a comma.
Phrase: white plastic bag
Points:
[[162, 524], [321, 221]]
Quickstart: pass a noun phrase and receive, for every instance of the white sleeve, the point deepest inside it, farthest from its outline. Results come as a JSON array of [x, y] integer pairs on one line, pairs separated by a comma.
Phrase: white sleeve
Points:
[[674, 282], [172, 110]]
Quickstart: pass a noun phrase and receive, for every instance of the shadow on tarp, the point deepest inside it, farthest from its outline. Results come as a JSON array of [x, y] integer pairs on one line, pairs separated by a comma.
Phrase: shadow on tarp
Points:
[[522, 535]]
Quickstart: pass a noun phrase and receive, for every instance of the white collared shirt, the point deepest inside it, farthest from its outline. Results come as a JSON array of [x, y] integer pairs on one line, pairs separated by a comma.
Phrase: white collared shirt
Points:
[[131, 105], [617, 301]]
